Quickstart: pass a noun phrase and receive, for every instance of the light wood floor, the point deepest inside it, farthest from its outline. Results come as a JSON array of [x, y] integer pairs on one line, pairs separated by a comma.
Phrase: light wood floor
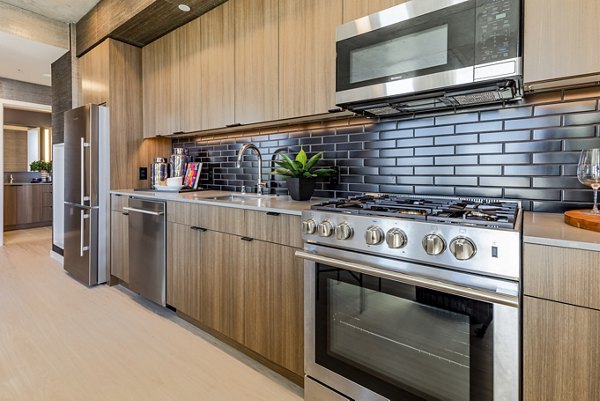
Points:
[[62, 341]]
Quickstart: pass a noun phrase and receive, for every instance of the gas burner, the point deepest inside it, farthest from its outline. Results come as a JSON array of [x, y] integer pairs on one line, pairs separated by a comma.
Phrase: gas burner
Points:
[[481, 212]]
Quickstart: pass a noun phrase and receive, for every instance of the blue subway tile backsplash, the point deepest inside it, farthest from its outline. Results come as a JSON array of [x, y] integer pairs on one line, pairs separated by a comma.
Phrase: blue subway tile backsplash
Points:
[[527, 151]]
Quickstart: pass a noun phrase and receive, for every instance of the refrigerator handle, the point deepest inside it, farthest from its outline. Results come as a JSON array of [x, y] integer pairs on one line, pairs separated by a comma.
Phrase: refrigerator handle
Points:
[[82, 247], [83, 146]]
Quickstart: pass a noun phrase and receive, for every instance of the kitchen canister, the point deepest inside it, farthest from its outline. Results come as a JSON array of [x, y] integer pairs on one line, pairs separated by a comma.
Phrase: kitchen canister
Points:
[[179, 160], [159, 172]]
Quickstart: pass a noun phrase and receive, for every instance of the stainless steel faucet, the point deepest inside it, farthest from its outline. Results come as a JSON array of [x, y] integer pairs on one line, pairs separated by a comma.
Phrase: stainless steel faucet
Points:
[[260, 184]]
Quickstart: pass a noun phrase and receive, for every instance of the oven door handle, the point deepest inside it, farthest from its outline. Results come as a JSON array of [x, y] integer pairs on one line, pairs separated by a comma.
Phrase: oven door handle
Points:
[[480, 295]]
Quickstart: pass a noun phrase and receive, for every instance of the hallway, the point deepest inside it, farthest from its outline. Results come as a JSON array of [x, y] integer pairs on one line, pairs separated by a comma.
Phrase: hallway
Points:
[[62, 341]]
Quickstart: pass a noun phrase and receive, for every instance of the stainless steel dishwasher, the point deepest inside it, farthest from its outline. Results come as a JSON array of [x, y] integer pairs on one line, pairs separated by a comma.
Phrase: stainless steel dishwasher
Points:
[[147, 249]]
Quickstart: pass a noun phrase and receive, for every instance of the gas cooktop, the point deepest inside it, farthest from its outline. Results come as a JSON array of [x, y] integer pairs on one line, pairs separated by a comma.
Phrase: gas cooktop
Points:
[[476, 235], [488, 213]]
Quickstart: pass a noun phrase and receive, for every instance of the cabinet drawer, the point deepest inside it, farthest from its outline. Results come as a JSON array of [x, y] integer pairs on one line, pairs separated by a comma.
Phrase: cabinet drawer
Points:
[[215, 218], [218, 218], [274, 227], [562, 274], [179, 212], [117, 202]]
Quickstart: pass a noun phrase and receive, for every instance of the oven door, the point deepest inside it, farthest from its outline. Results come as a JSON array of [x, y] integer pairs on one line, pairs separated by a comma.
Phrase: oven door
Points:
[[375, 334], [426, 45]]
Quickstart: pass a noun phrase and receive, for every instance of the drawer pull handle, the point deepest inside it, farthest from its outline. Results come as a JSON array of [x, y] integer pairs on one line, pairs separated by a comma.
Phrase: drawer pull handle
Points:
[[273, 214], [247, 239], [198, 228]]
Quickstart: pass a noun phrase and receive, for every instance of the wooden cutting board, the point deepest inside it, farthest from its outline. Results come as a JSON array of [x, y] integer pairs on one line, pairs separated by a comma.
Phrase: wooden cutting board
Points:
[[582, 219]]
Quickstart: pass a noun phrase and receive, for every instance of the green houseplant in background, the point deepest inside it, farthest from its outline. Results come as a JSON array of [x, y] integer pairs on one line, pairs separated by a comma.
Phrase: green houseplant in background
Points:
[[43, 167], [301, 174]]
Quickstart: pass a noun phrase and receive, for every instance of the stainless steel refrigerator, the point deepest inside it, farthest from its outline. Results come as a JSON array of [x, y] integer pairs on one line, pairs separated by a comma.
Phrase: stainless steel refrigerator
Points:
[[87, 181]]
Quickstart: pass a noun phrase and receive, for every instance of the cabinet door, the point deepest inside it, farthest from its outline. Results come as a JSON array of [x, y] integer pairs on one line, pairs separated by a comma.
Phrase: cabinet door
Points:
[[561, 350], [307, 56], [274, 302], [221, 271], [94, 70], [354, 9], [206, 272], [24, 204], [192, 94], [10, 205], [161, 87], [119, 245], [560, 38], [183, 281], [256, 60], [217, 67]]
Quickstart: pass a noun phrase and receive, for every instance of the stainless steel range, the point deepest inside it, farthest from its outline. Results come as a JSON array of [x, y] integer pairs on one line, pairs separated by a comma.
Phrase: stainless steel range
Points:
[[410, 298]]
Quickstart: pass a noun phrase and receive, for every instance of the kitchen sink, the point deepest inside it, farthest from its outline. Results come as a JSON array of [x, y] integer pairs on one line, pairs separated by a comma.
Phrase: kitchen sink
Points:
[[238, 198]]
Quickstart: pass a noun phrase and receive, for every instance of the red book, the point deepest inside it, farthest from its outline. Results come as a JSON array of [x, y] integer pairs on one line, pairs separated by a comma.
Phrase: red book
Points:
[[192, 175]]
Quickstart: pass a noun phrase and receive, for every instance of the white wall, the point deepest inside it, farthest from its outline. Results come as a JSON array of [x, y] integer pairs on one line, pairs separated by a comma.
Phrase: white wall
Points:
[[58, 185]]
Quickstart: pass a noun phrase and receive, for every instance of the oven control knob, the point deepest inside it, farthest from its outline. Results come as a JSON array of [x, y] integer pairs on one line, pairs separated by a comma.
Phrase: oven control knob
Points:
[[309, 226], [374, 235], [433, 244], [395, 238], [462, 248], [325, 229], [343, 231]]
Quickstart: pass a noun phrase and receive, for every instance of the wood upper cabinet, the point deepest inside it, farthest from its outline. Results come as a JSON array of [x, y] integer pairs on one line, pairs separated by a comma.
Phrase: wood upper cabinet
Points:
[[274, 304], [207, 70], [256, 60], [561, 350], [307, 56], [95, 74], [354, 9], [560, 39], [161, 85]]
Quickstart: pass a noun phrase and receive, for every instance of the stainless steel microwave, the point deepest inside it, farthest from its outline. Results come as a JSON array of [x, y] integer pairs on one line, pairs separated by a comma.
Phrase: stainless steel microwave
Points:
[[424, 55]]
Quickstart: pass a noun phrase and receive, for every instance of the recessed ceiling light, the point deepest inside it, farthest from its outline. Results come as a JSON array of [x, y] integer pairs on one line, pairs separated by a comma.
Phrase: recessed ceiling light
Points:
[[184, 7]]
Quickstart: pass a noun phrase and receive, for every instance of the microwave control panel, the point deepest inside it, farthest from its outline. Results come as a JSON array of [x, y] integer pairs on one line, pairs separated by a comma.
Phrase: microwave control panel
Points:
[[497, 30]]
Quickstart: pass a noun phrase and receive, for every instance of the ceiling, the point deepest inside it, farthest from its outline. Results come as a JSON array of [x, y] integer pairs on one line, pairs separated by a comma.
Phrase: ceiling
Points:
[[59, 10], [27, 60]]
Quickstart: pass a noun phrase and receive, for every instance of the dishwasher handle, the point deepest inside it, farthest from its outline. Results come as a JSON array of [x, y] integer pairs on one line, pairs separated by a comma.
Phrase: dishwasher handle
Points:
[[135, 210]]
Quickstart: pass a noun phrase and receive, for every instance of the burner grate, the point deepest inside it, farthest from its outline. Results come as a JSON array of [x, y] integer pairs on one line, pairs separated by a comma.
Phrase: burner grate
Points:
[[485, 213]]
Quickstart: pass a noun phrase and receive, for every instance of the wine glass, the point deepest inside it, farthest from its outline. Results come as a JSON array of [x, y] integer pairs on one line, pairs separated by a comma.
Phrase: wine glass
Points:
[[588, 173]]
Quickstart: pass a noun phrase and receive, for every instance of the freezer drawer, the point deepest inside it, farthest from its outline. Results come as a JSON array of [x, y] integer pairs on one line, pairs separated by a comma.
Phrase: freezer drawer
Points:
[[147, 249], [81, 243]]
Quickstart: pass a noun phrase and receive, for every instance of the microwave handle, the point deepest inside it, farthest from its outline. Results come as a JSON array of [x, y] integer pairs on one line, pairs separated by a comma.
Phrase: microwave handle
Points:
[[480, 295]]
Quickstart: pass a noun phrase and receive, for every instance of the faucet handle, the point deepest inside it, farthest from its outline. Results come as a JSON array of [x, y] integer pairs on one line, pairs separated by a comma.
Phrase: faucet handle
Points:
[[243, 189], [259, 187]]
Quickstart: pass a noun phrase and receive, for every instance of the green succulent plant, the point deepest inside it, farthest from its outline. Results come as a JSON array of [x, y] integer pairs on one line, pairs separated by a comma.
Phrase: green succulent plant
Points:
[[301, 166]]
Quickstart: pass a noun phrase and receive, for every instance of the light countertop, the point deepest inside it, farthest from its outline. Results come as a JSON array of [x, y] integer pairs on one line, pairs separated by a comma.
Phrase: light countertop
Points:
[[267, 203], [27, 183], [551, 229]]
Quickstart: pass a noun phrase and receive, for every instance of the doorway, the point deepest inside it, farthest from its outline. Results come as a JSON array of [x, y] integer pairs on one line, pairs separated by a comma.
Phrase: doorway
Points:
[[12, 104]]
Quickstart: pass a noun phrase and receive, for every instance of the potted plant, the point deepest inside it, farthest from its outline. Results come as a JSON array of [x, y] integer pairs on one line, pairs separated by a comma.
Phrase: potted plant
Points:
[[42, 166], [301, 174]]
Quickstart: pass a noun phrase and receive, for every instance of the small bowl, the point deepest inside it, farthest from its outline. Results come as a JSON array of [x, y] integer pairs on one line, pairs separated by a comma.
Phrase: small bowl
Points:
[[175, 182]]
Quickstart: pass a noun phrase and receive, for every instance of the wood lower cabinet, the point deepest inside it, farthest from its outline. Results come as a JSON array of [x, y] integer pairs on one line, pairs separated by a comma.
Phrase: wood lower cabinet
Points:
[[561, 322], [249, 291], [27, 206], [207, 278], [561, 352], [274, 304]]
